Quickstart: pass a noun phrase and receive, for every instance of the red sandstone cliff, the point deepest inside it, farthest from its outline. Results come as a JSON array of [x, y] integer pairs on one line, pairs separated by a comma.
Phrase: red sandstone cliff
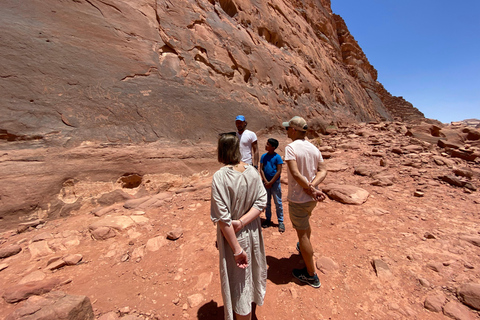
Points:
[[132, 71]]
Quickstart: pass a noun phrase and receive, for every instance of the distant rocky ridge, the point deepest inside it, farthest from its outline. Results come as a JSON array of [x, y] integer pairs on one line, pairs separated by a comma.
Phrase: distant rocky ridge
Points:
[[475, 123], [141, 71]]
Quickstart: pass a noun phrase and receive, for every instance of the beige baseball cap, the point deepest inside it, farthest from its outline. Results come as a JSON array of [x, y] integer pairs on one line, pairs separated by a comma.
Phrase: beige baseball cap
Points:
[[298, 123]]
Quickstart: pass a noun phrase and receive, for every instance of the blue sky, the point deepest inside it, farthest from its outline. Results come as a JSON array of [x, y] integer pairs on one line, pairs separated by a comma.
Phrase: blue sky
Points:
[[427, 51]]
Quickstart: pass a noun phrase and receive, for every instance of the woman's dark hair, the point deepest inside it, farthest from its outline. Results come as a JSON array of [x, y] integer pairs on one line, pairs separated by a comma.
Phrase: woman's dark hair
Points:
[[229, 149]]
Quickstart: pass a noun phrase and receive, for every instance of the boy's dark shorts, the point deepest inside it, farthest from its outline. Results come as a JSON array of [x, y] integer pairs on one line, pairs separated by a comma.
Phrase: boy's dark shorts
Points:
[[300, 214]]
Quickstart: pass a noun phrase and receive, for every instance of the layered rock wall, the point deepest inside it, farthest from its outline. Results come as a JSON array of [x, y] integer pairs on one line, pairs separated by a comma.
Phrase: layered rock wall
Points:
[[145, 70]]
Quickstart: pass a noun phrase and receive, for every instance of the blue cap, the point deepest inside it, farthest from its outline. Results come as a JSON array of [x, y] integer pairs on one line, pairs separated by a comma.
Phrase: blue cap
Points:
[[240, 117]]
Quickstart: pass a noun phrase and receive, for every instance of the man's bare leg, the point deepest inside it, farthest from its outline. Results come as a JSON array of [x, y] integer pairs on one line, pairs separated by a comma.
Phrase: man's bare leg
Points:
[[306, 249]]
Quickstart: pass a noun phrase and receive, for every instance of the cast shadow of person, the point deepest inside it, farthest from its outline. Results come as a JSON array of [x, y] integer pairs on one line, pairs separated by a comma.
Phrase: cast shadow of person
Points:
[[211, 311], [280, 270]]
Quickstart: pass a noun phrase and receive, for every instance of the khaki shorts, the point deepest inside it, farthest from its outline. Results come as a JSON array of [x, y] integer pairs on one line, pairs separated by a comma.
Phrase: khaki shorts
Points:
[[300, 214]]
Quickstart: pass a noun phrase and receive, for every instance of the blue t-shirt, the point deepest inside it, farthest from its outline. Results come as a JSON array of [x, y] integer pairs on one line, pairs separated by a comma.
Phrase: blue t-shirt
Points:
[[270, 162]]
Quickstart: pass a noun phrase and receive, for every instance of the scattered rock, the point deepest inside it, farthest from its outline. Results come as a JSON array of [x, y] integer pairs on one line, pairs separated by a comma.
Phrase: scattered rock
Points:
[[54, 305], [155, 244], [381, 269], [118, 222], [23, 291], [32, 224], [475, 240], [32, 277], [463, 172], [326, 265], [42, 236], [195, 300], [428, 235], [469, 294], [9, 251], [115, 196], [456, 310], [109, 316], [435, 302], [39, 249], [418, 194], [72, 259], [346, 194], [435, 266], [175, 234], [103, 233]]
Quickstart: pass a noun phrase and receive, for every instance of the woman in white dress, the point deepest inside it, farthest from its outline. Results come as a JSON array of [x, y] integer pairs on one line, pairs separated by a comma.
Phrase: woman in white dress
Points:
[[238, 198]]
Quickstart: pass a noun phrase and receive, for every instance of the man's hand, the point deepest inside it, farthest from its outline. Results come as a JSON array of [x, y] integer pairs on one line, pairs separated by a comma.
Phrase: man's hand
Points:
[[316, 194]]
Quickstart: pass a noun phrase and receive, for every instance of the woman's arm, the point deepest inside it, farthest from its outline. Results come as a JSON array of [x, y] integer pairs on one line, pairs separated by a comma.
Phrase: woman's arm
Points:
[[248, 217], [239, 254]]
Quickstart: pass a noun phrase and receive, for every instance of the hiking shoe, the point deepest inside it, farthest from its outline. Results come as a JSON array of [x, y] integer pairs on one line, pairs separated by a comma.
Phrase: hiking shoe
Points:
[[281, 227], [302, 275], [266, 224]]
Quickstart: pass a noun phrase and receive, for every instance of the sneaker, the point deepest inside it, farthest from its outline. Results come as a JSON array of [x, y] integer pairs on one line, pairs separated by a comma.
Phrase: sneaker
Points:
[[281, 227], [266, 224], [302, 275]]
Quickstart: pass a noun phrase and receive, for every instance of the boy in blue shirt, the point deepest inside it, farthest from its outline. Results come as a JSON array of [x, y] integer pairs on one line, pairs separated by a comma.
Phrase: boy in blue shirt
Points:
[[270, 170]]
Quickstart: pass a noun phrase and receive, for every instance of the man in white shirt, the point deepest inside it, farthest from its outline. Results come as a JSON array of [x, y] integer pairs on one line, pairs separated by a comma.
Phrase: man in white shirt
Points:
[[306, 169], [248, 142]]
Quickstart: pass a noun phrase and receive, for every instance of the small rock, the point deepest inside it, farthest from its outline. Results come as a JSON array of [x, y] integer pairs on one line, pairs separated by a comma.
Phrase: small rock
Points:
[[54, 305], [424, 282], [108, 316], [22, 291], [469, 294], [9, 251], [428, 235], [72, 259], [195, 300], [124, 310], [435, 266], [456, 310], [103, 233], [326, 265], [435, 302], [34, 276], [56, 265], [381, 268], [154, 244], [418, 194], [175, 234], [475, 240]]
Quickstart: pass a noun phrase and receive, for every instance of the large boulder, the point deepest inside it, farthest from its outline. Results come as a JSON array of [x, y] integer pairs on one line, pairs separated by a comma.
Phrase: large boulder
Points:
[[346, 194], [55, 305]]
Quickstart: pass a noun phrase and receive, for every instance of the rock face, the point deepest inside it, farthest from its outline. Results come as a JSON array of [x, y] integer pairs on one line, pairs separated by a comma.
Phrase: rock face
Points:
[[144, 70]]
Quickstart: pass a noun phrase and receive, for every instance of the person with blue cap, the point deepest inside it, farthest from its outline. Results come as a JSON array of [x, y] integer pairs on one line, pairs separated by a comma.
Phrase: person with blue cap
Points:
[[248, 142]]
